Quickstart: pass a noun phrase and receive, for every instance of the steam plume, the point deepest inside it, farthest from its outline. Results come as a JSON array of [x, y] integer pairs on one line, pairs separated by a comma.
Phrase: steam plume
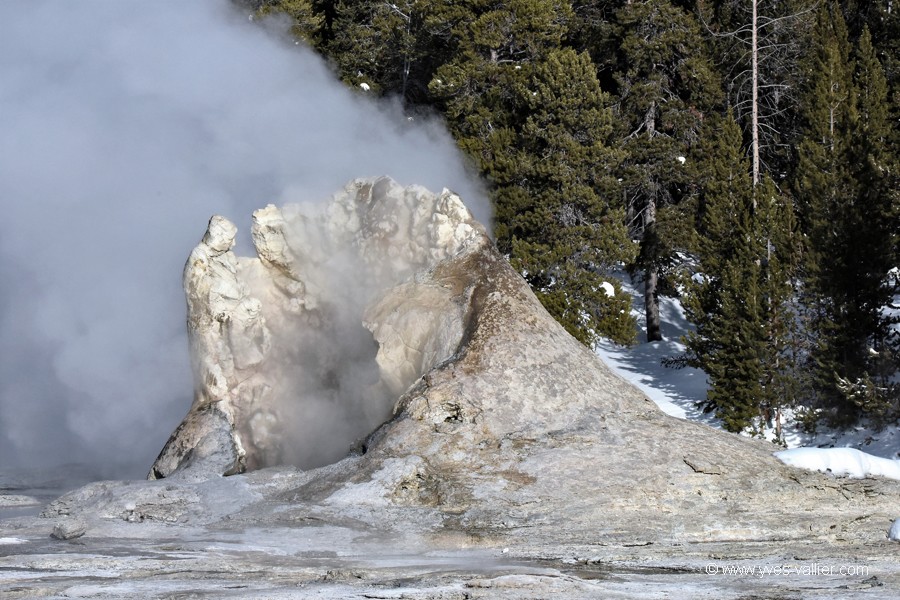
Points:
[[125, 126]]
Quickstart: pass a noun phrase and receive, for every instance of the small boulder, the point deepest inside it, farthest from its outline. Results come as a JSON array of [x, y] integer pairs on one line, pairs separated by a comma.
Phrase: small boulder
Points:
[[68, 528]]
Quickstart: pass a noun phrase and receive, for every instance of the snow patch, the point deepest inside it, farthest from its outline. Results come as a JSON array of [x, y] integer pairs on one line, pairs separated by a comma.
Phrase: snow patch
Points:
[[681, 392], [677, 392], [894, 533], [14, 540], [840, 461]]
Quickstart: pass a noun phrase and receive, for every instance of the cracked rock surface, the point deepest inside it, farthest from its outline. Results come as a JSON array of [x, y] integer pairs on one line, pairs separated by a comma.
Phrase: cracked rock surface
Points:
[[504, 461]]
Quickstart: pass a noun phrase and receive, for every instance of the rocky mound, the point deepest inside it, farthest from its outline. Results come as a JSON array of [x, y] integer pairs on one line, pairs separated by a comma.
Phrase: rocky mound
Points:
[[497, 421]]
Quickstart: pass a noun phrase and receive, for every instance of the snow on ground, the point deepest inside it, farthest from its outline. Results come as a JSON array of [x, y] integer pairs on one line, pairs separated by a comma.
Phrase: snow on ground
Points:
[[11, 540], [679, 392], [840, 461], [676, 391]]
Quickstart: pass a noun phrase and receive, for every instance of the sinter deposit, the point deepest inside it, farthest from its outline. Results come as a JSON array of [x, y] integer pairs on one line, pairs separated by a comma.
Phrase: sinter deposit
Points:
[[300, 351], [385, 330]]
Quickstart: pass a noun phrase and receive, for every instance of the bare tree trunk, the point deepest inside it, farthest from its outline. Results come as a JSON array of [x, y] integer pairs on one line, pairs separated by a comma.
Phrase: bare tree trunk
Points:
[[406, 58], [651, 272], [754, 93], [779, 434], [651, 277]]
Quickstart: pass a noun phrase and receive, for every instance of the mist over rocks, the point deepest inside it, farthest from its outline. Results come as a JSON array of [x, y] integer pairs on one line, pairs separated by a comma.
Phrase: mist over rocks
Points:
[[295, 353]]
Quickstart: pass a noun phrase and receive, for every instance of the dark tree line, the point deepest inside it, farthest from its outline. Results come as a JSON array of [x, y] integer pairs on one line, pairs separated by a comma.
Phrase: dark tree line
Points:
[[741, 154]]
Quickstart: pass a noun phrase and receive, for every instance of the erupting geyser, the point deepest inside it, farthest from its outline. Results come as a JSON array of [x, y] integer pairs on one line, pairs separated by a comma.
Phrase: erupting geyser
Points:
[[126, 124], [388, 316], [297, 352]]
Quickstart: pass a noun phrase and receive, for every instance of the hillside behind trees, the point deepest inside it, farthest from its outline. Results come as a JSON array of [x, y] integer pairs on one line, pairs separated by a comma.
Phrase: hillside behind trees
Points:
[[742, 155]]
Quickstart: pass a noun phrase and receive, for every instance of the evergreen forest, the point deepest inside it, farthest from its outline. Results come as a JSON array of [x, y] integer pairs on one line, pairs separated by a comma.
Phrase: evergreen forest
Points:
[[741, 155]]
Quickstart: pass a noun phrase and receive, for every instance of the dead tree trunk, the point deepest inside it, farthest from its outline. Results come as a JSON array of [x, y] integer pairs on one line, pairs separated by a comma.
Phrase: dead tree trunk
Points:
[[754, 93], [651, 275]]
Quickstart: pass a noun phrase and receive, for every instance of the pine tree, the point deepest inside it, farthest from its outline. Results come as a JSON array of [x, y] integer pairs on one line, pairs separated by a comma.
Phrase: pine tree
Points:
[[739, 301], [873, 229], [387, 48], [778, 252], [570, 232], [823, 186], [882, 19], [665, 85], [536, 123], [846, 201], [721, 301], [492, 42], [492, 45]]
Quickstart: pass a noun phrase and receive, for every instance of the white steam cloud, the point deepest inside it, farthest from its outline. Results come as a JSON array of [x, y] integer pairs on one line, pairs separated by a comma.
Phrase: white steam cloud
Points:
[[125, 125]]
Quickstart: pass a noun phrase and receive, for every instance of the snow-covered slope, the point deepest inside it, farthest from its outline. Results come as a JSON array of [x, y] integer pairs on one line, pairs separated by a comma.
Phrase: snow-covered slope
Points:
[[679, 392]]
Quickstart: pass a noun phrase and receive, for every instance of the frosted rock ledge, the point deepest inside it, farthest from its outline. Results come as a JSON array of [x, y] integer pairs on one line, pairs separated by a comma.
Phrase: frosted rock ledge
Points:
[[450, 435]]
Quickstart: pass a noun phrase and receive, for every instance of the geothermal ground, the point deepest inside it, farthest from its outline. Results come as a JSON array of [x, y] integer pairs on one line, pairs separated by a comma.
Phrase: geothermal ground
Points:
[[499, 458], [290, 550]]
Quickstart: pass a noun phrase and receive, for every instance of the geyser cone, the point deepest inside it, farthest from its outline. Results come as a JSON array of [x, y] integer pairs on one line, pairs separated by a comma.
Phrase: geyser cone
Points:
[[506, 427], [296, 353]]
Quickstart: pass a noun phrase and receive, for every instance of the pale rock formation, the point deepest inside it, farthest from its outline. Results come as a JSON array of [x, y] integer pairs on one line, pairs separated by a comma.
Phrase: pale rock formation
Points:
[[227, 334], [68, 528], [502, 424], [270, 335]]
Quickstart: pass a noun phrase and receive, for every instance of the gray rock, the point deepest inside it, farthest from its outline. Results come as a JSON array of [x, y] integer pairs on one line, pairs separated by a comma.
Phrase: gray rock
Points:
[[204, 446], [277, 338], [68, 528]]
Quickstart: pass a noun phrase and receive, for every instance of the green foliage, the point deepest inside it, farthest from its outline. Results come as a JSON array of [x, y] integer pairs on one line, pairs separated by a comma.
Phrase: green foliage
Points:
[[842, 181], [564, 227], [492, 43], [537, 124], [739, 300], [665, 84], [388, 47]]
